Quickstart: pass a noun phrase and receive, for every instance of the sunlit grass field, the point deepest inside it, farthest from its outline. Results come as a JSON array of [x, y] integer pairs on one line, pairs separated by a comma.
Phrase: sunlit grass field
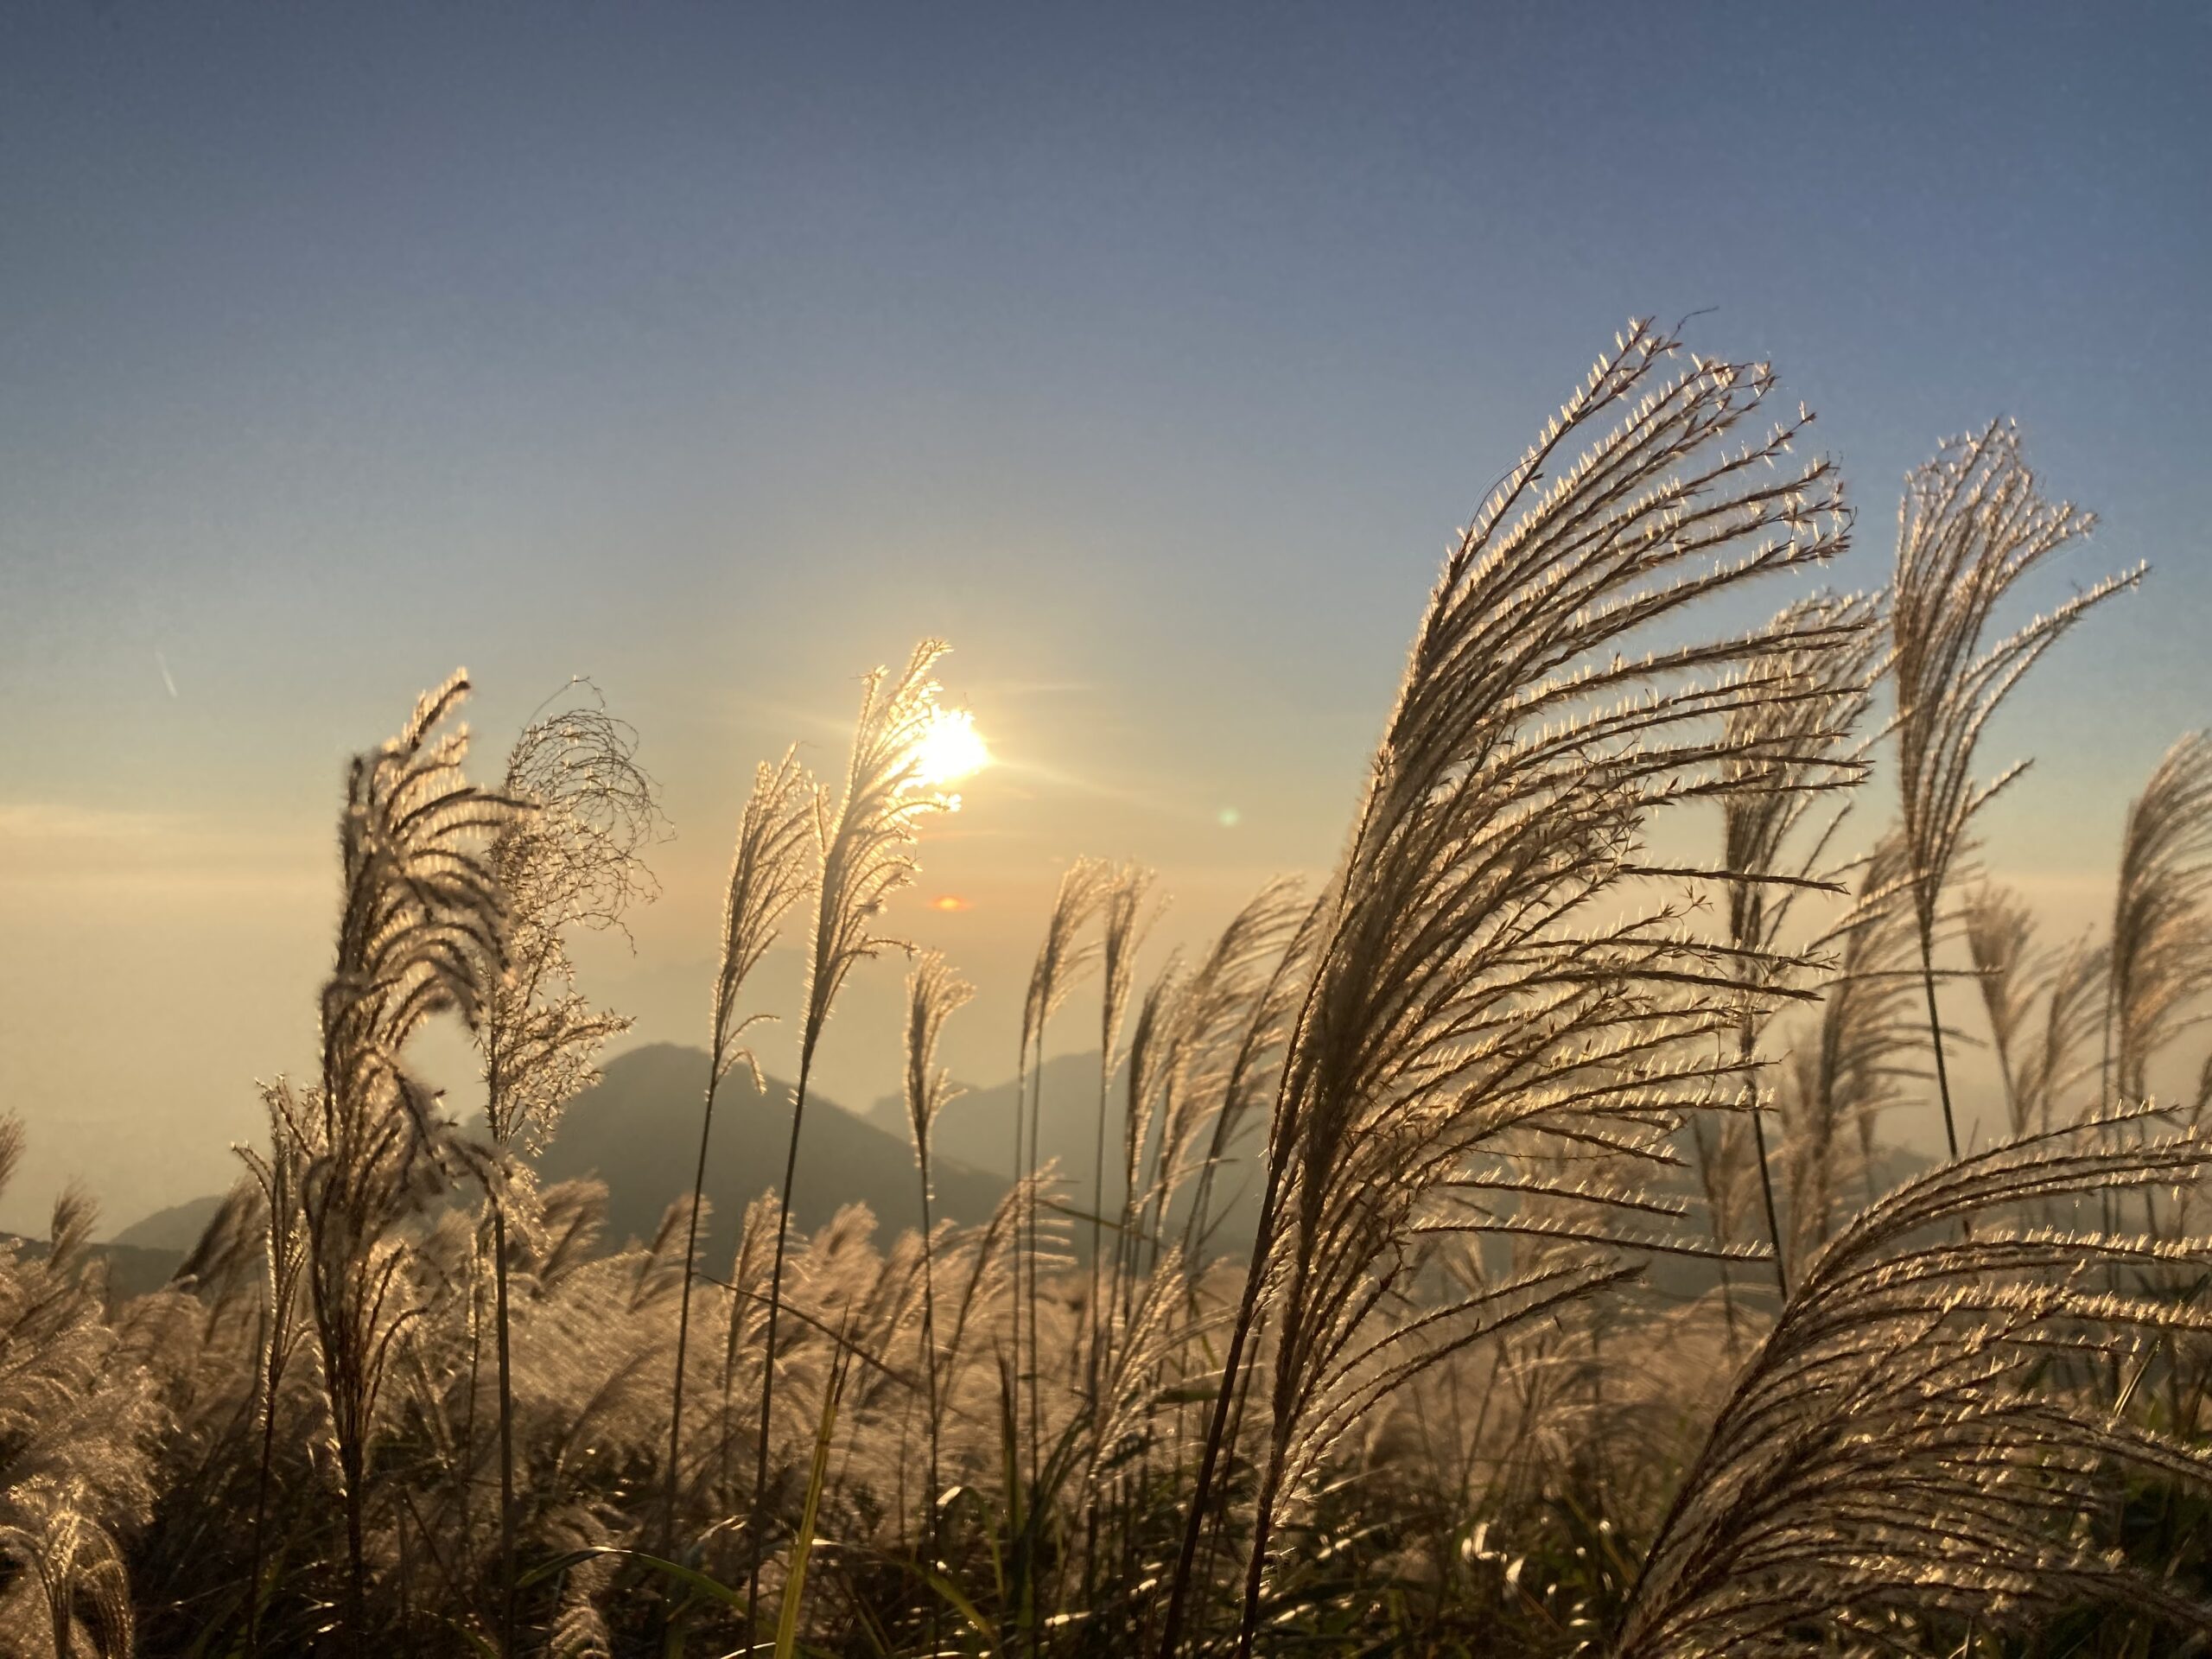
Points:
[[1498, 1247]]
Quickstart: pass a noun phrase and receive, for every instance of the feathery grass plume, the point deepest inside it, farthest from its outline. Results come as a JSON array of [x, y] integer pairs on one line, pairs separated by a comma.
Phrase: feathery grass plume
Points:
[[1210, 1047], [1062, 957], [864, 859], [76, 1564], [77, 1416], [747, 1320], [1461, 1007], [575, 859], [1256, 1068], [2063, 1052], [1128, 918], [2018, 976], [2161, 952], [293, 1128], [1154, 1039], [934, 992], [1848, 1074], [2012, 975], [422, 932], [1787, 751], [1971, 525], [1893, 1449], [768, 875]]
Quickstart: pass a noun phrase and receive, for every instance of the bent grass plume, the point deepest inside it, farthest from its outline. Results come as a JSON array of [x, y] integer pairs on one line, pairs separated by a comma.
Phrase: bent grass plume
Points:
[[1790, 750], [1461, 1007], [1890, 1449], [2161, 951], [1971, 525]]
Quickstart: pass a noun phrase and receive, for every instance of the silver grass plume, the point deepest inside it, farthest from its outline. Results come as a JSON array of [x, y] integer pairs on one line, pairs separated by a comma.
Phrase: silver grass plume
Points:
[[2161, 952], [1463, 1006], [2036, 1062], [1861, 1049], [768, 875], [1129, 917], [421, 932], [295, 1131], [78, 1416], [1788, 751], [866, 849], [742, 1330], [575, 859], [1971, 525], [1255, 1067], [1213, 1033], [934, 992], [1896, 1449], [1064, 955]]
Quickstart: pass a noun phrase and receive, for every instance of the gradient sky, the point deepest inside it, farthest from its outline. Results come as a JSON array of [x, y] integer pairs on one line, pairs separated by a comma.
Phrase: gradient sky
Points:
[[1150, 357]]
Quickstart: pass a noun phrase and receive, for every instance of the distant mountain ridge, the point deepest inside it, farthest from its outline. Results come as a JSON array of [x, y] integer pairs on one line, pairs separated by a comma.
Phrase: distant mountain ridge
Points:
[[177, 1228], [977, 1125], [638, 1130]]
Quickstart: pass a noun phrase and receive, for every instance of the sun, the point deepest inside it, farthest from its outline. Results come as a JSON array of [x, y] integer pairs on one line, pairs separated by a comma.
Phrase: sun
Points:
[[949, 749]]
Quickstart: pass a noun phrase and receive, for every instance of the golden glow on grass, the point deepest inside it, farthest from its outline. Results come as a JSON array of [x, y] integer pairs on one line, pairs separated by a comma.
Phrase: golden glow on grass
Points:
[[949, 749]]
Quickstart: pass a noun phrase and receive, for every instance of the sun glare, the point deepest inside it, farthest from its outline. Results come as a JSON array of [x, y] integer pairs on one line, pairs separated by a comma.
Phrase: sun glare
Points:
[[949, 749]]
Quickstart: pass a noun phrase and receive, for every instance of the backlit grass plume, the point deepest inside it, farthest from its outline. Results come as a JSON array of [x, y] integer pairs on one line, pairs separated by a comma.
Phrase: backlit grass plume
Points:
[[1130, 913], [865, 844], [769, 873], [1466, 1001], [295, 1131], [573, 861], [1845, 1073], [421, 932], [2161, 948], [1065, 954], [1903, 1445], [934, 992], [75, 1429], [1789, 751], [1972, 523], [2037, 1061]]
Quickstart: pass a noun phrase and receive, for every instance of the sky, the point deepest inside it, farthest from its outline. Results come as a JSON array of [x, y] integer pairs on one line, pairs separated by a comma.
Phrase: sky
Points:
[[1150, 357]]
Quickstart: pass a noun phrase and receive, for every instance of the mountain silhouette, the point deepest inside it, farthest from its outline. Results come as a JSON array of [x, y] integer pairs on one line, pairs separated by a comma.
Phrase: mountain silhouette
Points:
[[176, 1228], [977, 1125], [638, 1130]]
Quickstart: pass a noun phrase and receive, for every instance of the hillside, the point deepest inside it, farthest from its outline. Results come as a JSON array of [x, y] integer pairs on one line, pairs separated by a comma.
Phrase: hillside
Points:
[[176, 1228], [638, 1130], [977, 1126]]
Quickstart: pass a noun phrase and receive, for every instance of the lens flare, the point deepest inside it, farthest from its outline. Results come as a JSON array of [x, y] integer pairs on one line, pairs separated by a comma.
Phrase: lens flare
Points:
[[949, 749]]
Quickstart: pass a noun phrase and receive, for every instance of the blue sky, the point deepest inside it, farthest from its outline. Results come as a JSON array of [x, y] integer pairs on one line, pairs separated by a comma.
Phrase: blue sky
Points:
[[1149, 356]]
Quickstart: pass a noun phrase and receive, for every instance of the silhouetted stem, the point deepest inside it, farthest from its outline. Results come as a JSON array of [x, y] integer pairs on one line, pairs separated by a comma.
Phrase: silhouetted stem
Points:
[[506, 1439], [684, 1310], [768, 1356]]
